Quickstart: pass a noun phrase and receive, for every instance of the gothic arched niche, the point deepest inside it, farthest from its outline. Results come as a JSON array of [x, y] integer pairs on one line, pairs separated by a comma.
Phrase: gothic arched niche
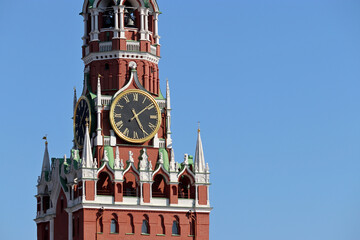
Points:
[[130, 185], [104, 185], [159, 187]]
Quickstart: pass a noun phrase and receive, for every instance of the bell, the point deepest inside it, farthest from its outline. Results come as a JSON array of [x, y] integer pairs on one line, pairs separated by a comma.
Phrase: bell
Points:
[[129, 18]]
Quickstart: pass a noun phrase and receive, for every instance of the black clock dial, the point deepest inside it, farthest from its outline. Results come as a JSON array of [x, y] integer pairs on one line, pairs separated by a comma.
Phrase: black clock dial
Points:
[[135, 116], [81, 115]]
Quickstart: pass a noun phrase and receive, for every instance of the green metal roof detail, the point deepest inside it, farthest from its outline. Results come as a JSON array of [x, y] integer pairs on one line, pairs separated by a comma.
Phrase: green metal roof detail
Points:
[[110, 155], [63, 181], [161, 96], [91, 3], [165, 158]]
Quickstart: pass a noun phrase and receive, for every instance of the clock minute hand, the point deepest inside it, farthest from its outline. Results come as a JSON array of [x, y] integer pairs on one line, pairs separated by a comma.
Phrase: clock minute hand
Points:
[[138, 121], [136, 115]]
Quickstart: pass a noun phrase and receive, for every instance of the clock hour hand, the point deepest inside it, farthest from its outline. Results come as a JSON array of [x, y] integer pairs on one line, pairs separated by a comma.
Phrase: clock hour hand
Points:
[[136, 115]]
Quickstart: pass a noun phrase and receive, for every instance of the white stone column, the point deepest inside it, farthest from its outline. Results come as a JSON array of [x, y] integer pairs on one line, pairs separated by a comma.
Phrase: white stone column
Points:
[[52, 229], [70, 227], [116, 20], [85, 28], [122, 24], [92, 18], [142, 24], [146, 16], [156, 28], [96, 25]]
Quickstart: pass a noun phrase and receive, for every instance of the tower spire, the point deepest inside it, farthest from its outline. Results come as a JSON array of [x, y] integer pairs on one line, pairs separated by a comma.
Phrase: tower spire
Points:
[[75, 100], [46, 160], [87, 157], [99, 139], [168, 115], [199, 155]]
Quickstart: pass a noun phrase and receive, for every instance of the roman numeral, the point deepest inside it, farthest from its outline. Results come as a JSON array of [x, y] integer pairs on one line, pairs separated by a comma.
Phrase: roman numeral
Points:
[[126, 97], [118, 115], [152, 126], [144, 100], [118, 105], [135, 135], [150, 107], [153, 117], [126, 132], [120, 124], [136, 96]]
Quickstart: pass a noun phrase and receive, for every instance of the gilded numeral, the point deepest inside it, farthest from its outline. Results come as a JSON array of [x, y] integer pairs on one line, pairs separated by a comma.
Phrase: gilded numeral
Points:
[[150, 107], [144, 100], [118, 115], [135, 135], [152, 126], [120, 124], [153, 116], [136, 96], [126, 132], [126, 97], [120, 106]]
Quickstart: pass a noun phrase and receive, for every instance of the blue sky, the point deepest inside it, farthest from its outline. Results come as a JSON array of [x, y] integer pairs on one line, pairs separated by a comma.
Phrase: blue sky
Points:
[[275, 85]]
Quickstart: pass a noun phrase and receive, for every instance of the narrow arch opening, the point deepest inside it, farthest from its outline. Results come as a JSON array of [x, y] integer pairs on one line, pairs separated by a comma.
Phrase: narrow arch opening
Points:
[[104, 184], [159, 187]]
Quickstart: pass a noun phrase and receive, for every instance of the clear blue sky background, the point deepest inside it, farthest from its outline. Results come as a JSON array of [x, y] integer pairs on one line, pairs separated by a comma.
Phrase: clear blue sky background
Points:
[[275, 85]]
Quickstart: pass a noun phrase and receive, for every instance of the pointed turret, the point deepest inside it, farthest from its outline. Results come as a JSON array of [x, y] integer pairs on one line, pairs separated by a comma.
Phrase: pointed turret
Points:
[[168, 116], [199, 156], [99, 138], [46, 162], [75, 100], [87, 157]]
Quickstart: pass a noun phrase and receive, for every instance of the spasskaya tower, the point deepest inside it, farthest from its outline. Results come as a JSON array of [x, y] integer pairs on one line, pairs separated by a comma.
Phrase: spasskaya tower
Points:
[[121, 180]]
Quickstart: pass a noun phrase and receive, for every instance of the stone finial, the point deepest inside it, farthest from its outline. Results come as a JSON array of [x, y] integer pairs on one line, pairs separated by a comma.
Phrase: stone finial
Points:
[[106, 157], [131, 159], [143, 160], [161, 158], [122, 164], [186, 159], [172, 161]]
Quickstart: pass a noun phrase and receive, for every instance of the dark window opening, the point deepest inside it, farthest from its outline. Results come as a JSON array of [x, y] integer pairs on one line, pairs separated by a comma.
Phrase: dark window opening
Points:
[[176, 227]]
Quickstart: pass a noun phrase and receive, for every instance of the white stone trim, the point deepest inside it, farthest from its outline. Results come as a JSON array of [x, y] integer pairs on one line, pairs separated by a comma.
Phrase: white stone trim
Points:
[[97, 56]]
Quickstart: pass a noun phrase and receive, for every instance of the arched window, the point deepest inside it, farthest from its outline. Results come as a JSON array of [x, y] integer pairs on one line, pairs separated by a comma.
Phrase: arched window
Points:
[[159, 187], [130, 185], [185, 189], [130, 15], [176, 226], [130, 224], [145, 228], [108, 14], [104, 184], [161, 225]]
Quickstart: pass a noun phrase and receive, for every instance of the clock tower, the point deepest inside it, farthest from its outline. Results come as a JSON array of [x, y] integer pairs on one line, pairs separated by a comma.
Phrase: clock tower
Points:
[[121, 179]]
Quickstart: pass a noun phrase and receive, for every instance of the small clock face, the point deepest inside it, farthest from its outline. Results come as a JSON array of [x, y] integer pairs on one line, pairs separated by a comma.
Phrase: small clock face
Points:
[[135, 116], [82, 112]]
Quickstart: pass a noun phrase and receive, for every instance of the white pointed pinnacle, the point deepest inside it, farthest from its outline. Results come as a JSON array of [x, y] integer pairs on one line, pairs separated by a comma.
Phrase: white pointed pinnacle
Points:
[[172, 161], [46, 160], [168, 102], [186, 159], [106, 157], [199, 155], [75, 99], [117, 159], [161, 158], [99, 91], [87, 157]]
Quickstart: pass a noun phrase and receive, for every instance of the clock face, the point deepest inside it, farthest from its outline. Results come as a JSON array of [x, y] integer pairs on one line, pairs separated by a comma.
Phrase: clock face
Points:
[[82, 112], [135, 116]]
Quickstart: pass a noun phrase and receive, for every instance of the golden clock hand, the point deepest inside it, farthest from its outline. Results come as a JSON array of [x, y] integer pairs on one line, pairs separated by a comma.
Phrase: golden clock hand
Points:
[[138, 121], [136, 115]]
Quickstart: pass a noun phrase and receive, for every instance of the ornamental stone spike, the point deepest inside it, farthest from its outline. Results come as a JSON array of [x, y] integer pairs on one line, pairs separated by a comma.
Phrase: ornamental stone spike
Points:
[[199, 155], [75, 99], [46, 161], [131, 159], [117, 158], [87, 157], [172, 161], [98, 93]]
